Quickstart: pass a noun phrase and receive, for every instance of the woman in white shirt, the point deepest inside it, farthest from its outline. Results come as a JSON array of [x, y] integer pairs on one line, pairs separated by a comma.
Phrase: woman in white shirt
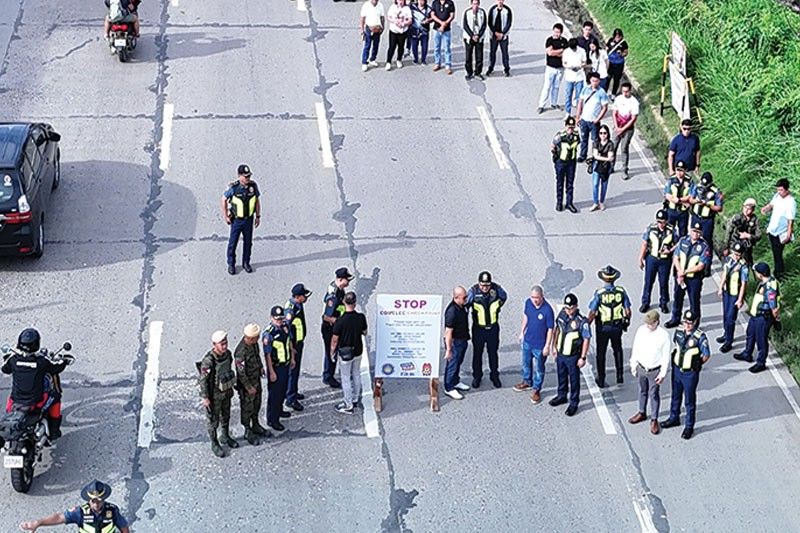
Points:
[[400, 20], [599, 59]]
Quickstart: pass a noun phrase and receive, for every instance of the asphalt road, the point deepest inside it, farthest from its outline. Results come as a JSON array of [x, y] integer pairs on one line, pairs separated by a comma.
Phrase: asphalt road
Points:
[[416, 203]]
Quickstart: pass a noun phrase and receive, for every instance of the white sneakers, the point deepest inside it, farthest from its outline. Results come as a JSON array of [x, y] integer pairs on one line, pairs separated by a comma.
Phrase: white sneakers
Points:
[[364, 68], [462, 386], [399, 64], [373, 63], [388, 66], [454, 394]]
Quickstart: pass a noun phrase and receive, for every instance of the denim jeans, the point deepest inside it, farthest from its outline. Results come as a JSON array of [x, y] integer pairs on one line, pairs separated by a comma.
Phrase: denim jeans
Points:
[[586, 129], [552, 82], [599, 188], [531, 376], [419, 47], [370, 41], [441, 39], [453, 366], [571, 93]]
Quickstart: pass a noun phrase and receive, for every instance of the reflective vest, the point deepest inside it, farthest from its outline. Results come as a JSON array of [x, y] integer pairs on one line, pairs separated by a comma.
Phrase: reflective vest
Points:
[[570, 339], [686, 355], [611, 309], [760, 305], [732, 276], [243, 201], [485, 308], [567, 146], [660, 242], [105, 521], [298, 320], [338, 303], [691, 256], [280, 352], [706, 195], [678, 189]]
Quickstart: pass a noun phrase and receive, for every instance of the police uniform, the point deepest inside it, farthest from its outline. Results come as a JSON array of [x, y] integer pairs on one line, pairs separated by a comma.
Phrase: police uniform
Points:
[[249, 370], [735, 275], [571, 331], [765, 301], [565, 157], [610, 308], [333, 308], [296, 319], [217, 381], [485, 327], [689, 254], [690, 351], [678, 212], [108, 520], [242, 204], [659, 244], [706, 194], [278, 348]]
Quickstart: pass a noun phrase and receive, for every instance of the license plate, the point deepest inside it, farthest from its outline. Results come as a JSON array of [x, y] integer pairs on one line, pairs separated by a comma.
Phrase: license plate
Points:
[[120, 43], [12, 461]]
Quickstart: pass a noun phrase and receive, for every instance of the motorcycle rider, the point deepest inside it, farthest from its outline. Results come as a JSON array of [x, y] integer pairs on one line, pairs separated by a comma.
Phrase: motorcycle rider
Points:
[[132, 7], [29, 369]]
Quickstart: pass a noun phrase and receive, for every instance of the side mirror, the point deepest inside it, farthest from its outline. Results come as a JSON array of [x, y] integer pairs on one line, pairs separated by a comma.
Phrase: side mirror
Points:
[[40, 140], [53, 136], [67, 346]]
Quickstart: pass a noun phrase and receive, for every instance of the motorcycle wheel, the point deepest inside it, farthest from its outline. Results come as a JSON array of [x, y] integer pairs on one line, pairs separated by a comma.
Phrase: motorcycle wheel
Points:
[[22, 478], [122, 54]]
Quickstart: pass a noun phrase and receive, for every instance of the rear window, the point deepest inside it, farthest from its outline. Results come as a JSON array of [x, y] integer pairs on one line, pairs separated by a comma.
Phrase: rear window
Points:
[[8, 187]]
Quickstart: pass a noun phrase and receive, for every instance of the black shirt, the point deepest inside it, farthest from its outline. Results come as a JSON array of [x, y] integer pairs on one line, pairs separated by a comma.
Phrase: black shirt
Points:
[[557, 44], [456, 317], [443, 12], [28, 373], [583, 42], [349, 327]]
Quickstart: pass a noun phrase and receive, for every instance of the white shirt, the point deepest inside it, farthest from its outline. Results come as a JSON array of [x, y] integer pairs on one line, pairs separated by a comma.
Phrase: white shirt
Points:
[[600, 63], [651, 349], [399, 13], [783, 210], [573, 60], [372, 14], [626, 108]]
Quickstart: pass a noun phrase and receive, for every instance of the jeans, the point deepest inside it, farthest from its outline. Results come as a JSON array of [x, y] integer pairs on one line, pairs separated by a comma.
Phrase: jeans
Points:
[[587, 128], [441, 40], [397, 42], [474, 50], [531, 376], [243, 227], [493, 44], [623, 145], [453, 366], [777, 254], [599, 187], [351, 380], [552, 81], [649, 389], [572, 89], [419, 46], [371, 41], [294, 374]]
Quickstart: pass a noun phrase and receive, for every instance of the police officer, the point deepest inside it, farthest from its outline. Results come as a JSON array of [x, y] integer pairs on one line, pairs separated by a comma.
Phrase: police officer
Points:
[[735, 275], [296, 319], [97, 514], [689, 353], [241, 209], [334, 308], [612, 308], [690, 261], [677, 198], [571, 342], [249, 371], [565, 157], [279, 353], [217, 380], [485, 298], [707, 201], [764, 314], [655, 258]]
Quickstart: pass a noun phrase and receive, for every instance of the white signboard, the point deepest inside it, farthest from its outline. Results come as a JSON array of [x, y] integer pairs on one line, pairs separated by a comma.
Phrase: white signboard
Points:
[[679, 92], [409, 333], [677, 54]]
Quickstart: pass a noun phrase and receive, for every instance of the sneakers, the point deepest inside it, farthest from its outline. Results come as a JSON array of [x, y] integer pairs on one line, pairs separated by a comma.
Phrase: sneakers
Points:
[[462, 386], [364, 68], [594, 207], [373, 63], [536, 397], [454, 394], [521, 386], [399, 64], [541, 110], [388, 66], [344, 408]]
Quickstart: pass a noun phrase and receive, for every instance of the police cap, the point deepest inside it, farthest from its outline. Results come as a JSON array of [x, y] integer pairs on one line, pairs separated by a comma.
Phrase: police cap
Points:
[[680, 165], [570, 300], [697, 227], [300, 290], [762, 268], [706, 179], [343, 273], [277, 311], [485, 277], [661, 214], [737, 247], [689, 316], [244, 170], [570, 121]]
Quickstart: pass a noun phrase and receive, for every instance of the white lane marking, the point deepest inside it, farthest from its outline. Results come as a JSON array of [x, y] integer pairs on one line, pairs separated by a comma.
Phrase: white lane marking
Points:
[[370, 418], [644, 516], [324, 135], [166, 135], [150, 389], [301, 5], [494, 142], [599, 402], [175, 3]]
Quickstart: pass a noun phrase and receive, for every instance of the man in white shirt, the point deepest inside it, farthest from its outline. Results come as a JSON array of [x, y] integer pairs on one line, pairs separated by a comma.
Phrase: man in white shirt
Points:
[[371, 24], [650, 363], [572, 60], [626, 111], [781, 222]]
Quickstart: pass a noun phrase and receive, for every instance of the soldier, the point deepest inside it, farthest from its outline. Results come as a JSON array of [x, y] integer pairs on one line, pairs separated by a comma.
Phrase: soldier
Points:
[[572, 336], [565, 155], [735, 275], [334, 308], [217, 380], [707, 201], [296, 318], [691, 259], [241, 209], [677, 198], [655, 258], [743, 228], [612, 305], [249, 371], [485, 298], [279, 354]]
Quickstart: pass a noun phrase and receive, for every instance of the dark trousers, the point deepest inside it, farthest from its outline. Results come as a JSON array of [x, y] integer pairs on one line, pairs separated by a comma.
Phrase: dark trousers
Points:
[[679, 219], [397, 41], [606, 334], [565, 172], [588, 129], [653, 267], [615, 71], [419, 46], [777, 254], [493, 43], [276, 393], [684, 382], [707, 225], [729, 314], [243, 227], [489, 338], [569, 378], [453, 366], [294, 374], [758, 335], [474, 50], [370, 49], [328, 366], [694, 288]]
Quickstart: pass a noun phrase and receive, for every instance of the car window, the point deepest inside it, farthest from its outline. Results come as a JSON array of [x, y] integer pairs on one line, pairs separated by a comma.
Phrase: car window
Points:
[[32, 154]]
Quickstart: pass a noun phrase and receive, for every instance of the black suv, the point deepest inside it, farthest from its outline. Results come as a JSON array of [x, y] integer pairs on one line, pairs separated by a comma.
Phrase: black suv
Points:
[[30, 169]]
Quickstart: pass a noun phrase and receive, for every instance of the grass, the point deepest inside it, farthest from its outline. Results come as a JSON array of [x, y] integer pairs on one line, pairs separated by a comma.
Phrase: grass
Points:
[[744, 58]]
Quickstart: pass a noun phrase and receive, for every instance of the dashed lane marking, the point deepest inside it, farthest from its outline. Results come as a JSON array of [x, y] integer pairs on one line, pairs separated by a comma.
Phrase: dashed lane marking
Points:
[[150, 388], [324, 135]]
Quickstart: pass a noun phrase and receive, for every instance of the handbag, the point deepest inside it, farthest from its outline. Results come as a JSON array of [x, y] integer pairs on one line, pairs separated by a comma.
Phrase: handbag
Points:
[[347, 353]]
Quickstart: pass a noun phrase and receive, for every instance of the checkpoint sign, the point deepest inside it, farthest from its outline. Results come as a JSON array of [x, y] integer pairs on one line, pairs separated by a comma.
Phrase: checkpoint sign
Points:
[[409, 332]]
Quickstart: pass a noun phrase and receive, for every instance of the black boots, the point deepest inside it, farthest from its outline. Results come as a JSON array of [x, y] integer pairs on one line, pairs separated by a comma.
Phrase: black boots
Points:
[[215, 447], [226, 438], [54, 427]]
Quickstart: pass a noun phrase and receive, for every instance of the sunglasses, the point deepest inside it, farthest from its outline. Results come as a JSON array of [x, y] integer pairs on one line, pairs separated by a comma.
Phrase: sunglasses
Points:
[[96, 500], [485, 284], [686, 129]]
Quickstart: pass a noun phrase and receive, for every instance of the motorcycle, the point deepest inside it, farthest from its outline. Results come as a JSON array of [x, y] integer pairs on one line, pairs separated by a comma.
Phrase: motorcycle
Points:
[[24, 432], [122, 40]]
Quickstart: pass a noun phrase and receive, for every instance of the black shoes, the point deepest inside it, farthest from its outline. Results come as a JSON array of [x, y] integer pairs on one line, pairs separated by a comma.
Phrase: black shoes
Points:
[[231, 270], [725, 348], [300, 396], [489, 72], [572, 209], [571, 410], [665, 308], [721, 339], [508, 73], [295, 406], [496, 382], [619, 379], [555, 402], [600, 383], [671, 324], [476, 383], [285, 414], [743, 357], [247, 268], [277, 426], [644, 308], [756, 368], [687, 433], [468, 77], [559, 208], [670, 423], [581, 160], [332, 383]]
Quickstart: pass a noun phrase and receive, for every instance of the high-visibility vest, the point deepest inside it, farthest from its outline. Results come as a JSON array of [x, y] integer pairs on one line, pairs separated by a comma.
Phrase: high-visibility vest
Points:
[[706, 195], [105, 520], [567, 146], [687, 355], [732, 275], [659, 241], [678, 189], [485, 308], [692, 257], [280, 345], [243, 201], [570, 339], [338, 295], [760, 304], [298, 320], [611, 305]]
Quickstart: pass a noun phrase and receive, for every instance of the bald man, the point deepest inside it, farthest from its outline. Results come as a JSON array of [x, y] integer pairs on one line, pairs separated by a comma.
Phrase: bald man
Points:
[[456, 339]]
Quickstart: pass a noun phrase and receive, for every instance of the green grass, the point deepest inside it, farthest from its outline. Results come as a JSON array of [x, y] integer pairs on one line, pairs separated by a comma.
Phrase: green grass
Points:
[[744, 57]]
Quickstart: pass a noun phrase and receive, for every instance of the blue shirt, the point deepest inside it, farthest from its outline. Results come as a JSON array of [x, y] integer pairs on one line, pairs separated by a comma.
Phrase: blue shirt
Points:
[[595, 302], [251, 189], [75, 516], [698, 248], [695, 192], [685, 149], [702, 342], [501, 293], [592, 106], [540, 319]]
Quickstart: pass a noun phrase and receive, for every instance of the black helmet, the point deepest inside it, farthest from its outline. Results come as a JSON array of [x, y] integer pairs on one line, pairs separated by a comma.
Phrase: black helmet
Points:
[[29, 340]]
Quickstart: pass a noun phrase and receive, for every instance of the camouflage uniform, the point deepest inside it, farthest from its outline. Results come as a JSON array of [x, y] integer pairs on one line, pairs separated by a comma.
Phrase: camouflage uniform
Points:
[[249, 368], [216, 381]]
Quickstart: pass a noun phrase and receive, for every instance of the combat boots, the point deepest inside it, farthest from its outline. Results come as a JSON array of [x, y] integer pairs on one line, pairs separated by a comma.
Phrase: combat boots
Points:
[[215, 447], [227, 439], [251, 437], [258, 429]]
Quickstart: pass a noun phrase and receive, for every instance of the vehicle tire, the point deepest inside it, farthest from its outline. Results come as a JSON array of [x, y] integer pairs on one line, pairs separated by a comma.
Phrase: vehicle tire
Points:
[[38, 251], [122, 54], [22, 478], [57, 176]]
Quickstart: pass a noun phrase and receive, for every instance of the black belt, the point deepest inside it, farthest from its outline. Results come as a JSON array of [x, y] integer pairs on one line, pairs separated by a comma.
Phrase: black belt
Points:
[[650, 369]]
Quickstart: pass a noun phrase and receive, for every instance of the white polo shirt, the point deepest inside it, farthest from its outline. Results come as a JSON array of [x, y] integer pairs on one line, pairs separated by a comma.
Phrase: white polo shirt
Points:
[[372, 14], [783, 210]]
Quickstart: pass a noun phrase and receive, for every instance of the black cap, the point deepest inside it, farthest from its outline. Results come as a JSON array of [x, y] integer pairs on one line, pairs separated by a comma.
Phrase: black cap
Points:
[[485, 277], [277, 311], [697, 227], [96, 489], [244, 170], [688, 316], [661, 214], [608, 274], [737, 247], [570, 300], [570, 121], [762, 268], [706, 179], [300, 290], [343, 273], [680, 165]]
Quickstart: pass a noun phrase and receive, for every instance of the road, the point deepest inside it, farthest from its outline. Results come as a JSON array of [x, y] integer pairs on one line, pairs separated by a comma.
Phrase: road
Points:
[[416, 202]]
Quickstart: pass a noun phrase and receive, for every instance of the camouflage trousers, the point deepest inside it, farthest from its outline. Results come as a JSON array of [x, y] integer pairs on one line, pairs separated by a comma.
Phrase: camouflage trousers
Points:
[[219, 413], [251, 406]]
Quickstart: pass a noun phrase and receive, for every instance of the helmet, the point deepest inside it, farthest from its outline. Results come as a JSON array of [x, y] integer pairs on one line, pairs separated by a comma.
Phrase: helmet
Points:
[[29, 340]]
